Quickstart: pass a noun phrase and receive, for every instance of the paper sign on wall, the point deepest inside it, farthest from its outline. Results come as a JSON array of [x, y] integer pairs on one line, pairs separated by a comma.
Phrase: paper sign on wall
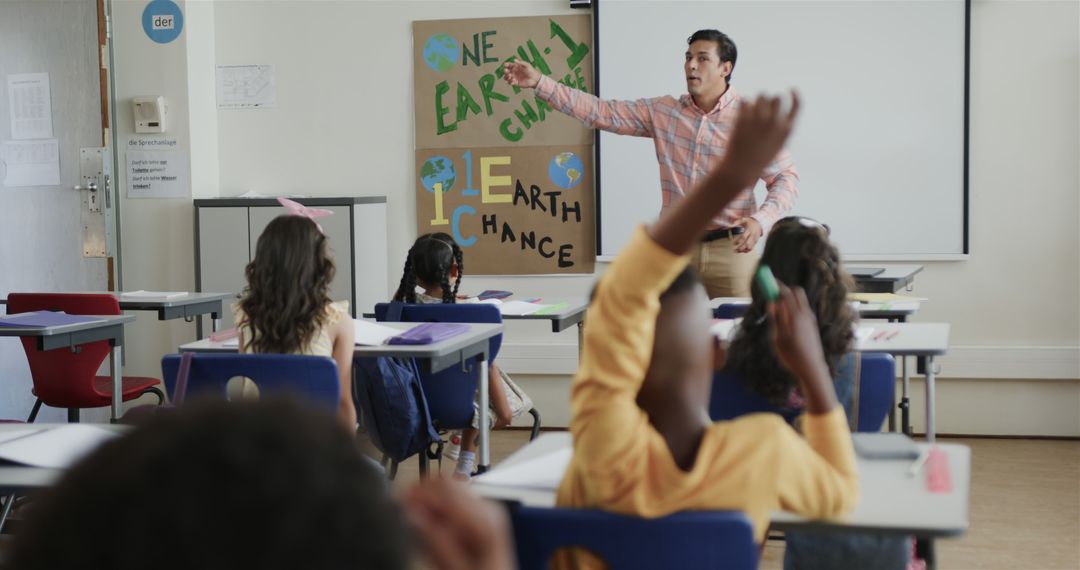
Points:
[[30, 163], [246, 87], [157, 174], [30, 105]]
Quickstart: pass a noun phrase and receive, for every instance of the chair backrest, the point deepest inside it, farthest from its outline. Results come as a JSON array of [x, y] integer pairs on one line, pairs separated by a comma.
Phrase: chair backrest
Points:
[[730, 398], [877, 387], [450, 393], [730, 310], [313, 377], [705, 540], [65, 378]]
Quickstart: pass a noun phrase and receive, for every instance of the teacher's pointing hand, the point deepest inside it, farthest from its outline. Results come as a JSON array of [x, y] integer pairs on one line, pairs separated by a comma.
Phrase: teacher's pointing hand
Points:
[[520, 74]]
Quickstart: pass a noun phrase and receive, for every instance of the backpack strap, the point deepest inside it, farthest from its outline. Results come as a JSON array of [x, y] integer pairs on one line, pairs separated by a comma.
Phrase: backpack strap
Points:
[[182, 378]]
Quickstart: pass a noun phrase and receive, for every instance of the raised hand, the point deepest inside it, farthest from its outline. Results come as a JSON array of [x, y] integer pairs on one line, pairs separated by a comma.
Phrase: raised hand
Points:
[[797, 344], [760, 132], [520, 74]]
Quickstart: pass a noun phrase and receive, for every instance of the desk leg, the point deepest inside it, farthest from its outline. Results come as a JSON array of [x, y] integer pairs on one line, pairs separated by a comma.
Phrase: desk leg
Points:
[[215, 322], [580, 340], [905, 418], [114, 372], [924, 548], [930, 427], [485, 428]]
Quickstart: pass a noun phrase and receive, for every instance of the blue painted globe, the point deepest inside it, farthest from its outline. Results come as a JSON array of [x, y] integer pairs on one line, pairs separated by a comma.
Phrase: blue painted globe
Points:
[[441, 52], [435, 170], [565, 170]]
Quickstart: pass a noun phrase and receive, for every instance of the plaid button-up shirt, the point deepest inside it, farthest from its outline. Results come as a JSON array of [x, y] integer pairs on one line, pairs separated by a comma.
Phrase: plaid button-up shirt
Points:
[[689, 143]]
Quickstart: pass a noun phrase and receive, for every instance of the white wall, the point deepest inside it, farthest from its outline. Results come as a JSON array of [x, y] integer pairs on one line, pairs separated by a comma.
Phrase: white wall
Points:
[[343, 126]]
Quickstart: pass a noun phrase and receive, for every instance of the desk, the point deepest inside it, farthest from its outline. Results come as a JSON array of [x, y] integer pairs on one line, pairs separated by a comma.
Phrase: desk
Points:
[[68, 336], [890, 502], [922, 340], [433, 357], [186, 306], [898, 311], [894, 278]]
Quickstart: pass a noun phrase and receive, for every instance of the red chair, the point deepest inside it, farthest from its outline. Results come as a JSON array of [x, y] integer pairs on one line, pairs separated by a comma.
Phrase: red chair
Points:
[[68, 378]]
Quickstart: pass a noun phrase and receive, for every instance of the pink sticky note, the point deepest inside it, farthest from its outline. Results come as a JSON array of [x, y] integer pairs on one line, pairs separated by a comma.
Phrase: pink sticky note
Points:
[[937, 472]]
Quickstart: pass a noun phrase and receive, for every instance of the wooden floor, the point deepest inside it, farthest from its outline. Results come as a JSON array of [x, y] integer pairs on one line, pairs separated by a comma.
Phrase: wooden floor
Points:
[[1025, 505]]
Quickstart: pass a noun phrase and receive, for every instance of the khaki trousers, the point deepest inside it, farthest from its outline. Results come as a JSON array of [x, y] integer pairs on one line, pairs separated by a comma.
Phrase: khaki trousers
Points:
[[724, 272]]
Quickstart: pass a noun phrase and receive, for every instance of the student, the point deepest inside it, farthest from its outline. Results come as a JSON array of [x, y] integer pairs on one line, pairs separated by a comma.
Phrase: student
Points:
[[432, 274], [286, 307], [643, 440], [799, 253], [271, 485]]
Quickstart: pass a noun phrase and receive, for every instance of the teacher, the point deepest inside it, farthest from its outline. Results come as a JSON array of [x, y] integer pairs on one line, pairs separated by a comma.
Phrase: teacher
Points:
[[691, 134]]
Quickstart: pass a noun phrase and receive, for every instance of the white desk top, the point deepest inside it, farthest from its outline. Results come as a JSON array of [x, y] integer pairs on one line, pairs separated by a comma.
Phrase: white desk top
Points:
[[476, 334], [870, 310], [108, 320], [155, 302], [890, 502], [910, 339]]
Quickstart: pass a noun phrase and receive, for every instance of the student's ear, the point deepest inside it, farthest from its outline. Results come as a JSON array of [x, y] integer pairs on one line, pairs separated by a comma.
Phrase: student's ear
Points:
[[726, 67], [455, 272]]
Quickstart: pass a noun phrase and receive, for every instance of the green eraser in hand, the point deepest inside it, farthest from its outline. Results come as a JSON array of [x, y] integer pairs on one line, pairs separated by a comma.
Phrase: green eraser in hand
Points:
[[767, 282]]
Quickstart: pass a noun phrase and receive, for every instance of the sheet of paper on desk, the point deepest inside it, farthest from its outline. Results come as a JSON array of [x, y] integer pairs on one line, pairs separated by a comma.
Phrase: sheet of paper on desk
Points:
[[140, 294], [367, 333], [519, 308], [56, 448], [544, 472], [724, 328], [863, 333], [46, 319]]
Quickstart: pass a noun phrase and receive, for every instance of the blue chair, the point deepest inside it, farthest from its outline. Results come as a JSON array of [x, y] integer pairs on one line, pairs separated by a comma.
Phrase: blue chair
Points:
[[730, 310], [314, 377], [450, 393], [877, 382], [713, 540], [876, 390]]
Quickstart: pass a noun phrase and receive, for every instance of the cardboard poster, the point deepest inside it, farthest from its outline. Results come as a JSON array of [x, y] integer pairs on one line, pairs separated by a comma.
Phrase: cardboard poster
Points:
[[508, 176], [514, 211]]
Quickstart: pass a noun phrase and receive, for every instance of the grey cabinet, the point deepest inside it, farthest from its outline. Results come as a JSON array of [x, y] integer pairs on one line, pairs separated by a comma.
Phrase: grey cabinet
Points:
[[227, 230]]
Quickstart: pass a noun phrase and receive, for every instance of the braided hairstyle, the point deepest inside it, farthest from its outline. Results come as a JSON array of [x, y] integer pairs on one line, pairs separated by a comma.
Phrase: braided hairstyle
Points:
[[799, 253], [430, 260]]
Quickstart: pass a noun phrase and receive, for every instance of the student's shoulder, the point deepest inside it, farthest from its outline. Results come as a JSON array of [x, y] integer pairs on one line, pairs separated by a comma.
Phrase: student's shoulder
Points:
[[762, 427], [337, 311]]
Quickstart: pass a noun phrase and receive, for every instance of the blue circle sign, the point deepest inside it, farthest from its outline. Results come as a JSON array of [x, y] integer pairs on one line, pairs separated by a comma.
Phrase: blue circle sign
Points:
[[162, 21]]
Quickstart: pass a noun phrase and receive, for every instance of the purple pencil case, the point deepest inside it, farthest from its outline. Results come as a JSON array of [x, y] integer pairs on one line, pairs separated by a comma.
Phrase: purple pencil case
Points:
[[428, 333]]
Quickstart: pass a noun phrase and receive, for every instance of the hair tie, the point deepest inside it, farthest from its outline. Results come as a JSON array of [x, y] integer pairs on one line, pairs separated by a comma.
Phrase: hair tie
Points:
[[297, 209]]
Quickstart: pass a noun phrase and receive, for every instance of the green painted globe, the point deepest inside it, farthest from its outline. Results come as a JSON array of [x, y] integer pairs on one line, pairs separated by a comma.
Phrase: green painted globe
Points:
[[441, 52], [435, 170]]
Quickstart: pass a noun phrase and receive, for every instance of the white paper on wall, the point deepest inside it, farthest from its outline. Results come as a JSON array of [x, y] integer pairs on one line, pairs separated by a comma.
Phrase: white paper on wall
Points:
[[30, 163], [30, 106]]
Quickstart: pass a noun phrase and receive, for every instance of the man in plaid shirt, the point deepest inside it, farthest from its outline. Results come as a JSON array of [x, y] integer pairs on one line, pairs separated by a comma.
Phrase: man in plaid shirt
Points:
[[691, 135]]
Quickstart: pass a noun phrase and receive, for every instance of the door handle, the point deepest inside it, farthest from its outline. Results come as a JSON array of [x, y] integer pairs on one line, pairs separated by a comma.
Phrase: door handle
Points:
[[91, 187]]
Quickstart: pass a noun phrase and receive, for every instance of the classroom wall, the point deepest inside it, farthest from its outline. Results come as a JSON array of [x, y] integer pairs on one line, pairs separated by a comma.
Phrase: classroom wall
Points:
[[343, 126]]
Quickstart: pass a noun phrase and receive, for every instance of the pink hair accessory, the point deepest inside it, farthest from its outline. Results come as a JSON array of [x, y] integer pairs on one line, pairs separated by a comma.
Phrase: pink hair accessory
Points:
[[298, 209]]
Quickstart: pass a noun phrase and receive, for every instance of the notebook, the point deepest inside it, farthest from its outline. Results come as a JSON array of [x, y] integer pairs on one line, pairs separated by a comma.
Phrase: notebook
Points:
[[884, 446], [38, 319], [865, 271]]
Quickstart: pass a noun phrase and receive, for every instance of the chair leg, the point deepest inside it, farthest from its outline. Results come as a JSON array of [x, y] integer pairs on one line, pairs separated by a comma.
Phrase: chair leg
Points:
[[34, 412], [393, 469], [73, 415], [156, 392], [9, 501], [423, 464], [536, 423]]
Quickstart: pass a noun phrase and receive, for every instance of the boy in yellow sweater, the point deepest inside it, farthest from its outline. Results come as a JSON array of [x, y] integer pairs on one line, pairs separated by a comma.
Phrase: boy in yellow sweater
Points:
[[643, 440]]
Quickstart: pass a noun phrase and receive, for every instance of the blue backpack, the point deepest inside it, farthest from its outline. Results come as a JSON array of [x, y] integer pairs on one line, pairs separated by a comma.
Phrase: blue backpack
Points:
[[392, 406]]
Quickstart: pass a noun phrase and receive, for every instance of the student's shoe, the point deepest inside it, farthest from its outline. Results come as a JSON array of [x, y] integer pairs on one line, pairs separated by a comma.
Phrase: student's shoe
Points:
[[453, 447]]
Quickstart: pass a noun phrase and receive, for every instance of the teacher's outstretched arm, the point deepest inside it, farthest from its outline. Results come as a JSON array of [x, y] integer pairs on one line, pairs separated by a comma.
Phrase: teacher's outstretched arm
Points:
[[620, 117]]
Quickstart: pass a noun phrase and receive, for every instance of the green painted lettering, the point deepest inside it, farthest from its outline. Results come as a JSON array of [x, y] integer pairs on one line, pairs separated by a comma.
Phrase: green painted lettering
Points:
[[528, 117], [474, 55], [577, 51], [486, 45], [537, 60], [465, 103], [487, 89], [442, 88], [510, 132]]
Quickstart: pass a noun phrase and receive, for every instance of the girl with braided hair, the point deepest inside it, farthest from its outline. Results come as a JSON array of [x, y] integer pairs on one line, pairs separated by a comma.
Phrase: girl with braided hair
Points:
[[432, 274]]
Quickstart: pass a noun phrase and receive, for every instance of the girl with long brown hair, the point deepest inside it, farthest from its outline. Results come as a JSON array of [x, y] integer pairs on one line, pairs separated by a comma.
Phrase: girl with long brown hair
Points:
[[286, 306]]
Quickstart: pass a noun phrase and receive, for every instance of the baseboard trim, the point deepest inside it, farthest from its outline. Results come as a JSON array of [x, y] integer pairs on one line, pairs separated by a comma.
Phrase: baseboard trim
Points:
[[965, 361]]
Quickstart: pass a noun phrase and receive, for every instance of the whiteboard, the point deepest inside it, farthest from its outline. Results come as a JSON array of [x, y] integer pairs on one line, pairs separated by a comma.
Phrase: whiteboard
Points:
[[880, 146]]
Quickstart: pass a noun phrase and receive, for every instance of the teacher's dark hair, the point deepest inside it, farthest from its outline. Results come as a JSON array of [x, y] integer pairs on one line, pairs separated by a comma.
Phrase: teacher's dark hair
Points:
[[725, 48], [269, 485]]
